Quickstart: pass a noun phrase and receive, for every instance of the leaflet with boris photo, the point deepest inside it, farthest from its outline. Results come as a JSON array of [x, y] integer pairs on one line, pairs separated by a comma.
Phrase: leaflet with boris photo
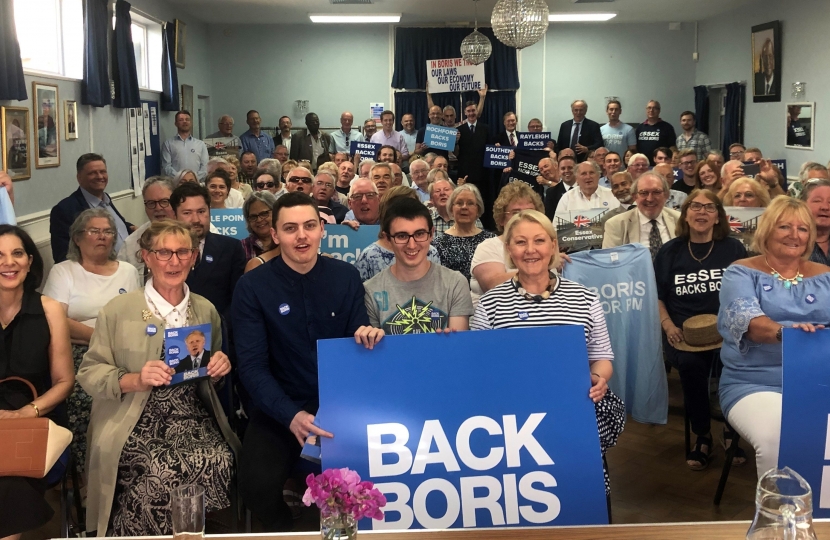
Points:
[[187, 350]]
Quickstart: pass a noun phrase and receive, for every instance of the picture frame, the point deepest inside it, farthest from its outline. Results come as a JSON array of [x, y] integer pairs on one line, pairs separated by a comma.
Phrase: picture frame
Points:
[[180, 45], [766, 62], [17, 159], [70, 119], [187, 99], [45, 112], [800, 125]]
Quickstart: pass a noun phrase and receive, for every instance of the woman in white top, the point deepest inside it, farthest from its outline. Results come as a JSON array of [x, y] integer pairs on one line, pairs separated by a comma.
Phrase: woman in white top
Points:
[[83, 284]]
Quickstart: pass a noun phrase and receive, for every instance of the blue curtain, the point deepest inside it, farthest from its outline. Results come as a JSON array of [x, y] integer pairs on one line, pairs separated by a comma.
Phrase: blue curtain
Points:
[[733, 125], [124, 72], [12, 84], [702, 108], [169, 73], [95, 88], [415, 103], [495, 106]]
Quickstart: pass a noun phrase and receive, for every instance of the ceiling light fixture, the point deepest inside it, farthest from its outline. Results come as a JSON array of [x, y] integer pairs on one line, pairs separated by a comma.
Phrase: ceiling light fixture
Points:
[[581, 17], [384, 18], [476, 48]]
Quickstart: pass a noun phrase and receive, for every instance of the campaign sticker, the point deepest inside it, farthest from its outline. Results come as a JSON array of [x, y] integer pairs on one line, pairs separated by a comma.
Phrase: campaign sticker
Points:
[[767, 288], [523, 315], [209, 258], [810, 298], [122, 290], [605, 203], [152, 329], [285, 309]]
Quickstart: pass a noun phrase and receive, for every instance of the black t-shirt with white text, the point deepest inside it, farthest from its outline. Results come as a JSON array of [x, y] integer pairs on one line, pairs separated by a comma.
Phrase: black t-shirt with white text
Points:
[[650, 138], [680, 185]]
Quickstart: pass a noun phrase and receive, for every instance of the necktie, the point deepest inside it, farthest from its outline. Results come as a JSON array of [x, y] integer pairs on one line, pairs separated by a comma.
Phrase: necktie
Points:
[[473, 129], [512, 140], [575, 135], [195, 362], [655, 242]]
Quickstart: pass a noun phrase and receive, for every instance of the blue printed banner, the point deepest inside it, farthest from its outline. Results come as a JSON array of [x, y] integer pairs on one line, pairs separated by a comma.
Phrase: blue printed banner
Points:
[[500, 436], [497, 157], [805, 414], [782, 165], [344, 243], [533, 141], [367, 150], [229, 222], [440, 137], [187, 350]]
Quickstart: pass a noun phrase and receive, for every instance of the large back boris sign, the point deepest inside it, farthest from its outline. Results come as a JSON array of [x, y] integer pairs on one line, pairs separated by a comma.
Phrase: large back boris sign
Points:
[[474, 429]]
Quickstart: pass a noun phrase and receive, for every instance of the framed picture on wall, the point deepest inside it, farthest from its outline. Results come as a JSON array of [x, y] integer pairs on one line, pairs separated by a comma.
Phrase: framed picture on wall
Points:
[[801, 121], [17, 158], [181, 38], [187, 98], [70, 119], [766, 62], [47, 147]]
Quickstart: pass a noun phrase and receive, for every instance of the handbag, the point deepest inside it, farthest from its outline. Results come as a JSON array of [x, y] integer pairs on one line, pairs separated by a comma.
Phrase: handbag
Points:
[[29, 447]]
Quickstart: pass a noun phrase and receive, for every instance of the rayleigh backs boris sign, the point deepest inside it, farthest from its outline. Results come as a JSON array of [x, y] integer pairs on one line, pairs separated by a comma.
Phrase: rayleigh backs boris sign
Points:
[[499, 436], [344, 243], [454, 75]]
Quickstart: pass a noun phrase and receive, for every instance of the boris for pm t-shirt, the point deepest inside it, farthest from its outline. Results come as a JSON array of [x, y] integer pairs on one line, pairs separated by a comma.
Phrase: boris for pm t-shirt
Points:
[[650, 138], [687, 286]]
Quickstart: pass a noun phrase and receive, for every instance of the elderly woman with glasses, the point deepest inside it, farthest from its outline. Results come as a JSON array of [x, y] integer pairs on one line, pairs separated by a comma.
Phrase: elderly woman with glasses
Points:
[[816, 193], [688, 269], [145, 435], [746, 192], [83, 284], [257, 213], [458, 243]]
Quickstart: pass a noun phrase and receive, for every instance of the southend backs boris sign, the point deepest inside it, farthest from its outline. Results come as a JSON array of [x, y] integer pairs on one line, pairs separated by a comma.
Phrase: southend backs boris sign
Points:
[[475, 429]]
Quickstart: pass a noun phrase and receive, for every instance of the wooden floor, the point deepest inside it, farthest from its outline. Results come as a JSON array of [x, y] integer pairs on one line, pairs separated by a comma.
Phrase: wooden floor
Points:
[[650, 481]]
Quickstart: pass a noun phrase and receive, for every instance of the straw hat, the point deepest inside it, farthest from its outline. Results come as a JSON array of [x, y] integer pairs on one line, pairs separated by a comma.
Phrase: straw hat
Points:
[[700, 333]]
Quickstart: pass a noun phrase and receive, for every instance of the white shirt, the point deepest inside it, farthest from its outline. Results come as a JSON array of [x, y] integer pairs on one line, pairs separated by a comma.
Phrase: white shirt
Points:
[[488, 251], [574, 199], [173, 316], [515, 137], [129, 252], [645, 228], [235, 199]]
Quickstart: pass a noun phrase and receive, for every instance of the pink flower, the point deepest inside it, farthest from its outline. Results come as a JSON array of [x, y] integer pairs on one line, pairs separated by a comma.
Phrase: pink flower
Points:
[[339, 492]]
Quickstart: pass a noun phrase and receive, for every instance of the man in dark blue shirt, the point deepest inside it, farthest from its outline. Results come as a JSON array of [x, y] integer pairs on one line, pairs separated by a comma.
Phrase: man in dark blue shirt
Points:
[[280, 310]]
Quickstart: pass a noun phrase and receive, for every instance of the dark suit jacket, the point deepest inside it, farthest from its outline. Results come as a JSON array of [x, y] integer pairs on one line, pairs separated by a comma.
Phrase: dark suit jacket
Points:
[[301, 146], [552, 196], [278, 140], [590, 136], [62, 216], [503, 140], [761, 84], [216, 274], [186, 363], [471, 153]]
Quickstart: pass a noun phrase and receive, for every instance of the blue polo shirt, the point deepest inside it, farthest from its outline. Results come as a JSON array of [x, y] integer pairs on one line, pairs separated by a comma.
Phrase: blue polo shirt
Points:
[[262, 146], [278, 316]]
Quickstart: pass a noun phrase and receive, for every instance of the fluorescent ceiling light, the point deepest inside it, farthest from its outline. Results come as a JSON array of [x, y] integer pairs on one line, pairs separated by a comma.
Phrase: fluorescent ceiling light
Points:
[[580, 17], [385, 18]]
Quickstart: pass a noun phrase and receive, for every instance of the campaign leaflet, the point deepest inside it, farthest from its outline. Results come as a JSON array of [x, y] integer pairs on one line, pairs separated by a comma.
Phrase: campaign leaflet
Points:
[[186, 350]]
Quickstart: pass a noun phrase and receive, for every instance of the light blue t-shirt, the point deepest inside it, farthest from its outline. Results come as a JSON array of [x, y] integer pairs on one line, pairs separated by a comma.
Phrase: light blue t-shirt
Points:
[[618, 139], [623, 278]]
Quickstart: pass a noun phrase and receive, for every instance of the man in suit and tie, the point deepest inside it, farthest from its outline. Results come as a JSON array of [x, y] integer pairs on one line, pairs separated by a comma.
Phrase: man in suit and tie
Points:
[[508, 137], [650, 223], [196, 356], [580, 134], [473, 136], [311, 143], [766, 82]]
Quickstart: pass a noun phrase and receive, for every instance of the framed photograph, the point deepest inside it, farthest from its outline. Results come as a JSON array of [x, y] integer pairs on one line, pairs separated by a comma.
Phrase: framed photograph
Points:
[[766, 62], [801, 121], [17, 160], [47, 147], [70, 119], [181, 38], [187, 98]]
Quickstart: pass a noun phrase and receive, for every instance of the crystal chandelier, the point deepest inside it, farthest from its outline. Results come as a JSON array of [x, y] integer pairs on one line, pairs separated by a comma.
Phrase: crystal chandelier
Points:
[[476, 48], [519, 23]]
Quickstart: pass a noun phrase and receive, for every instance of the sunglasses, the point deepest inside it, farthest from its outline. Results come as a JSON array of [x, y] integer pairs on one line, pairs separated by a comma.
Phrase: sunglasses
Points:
[[263, 185], [299, 179]]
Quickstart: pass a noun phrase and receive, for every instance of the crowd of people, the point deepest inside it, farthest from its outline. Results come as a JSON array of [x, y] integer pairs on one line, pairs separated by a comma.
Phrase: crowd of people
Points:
[[461, 241]]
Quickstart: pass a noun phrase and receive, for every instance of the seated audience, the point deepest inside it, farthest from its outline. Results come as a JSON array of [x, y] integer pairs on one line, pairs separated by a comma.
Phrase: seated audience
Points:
[[381, 175], [708, 176], [628, 155], [770, 175], [323, 193], [83, 284], [676, 198], [364, 168], [380, 254], [280, 153], [419, 171], [567, 181], [716, 157], [702, 245], [816, 194], [637, 165], [266, 181], [440, 187], [759, 297], [531, 248], [233, 170], [35, 346], [731, 171], [248, 165], [257, 212], [234, 198], [185, 176], [663, 155], [746, 192], [808, 171], [277, 350], [398, 176], [621, 188], [183, 150], [218, 184], [299, 179], [588, 194], [156, 193], [142, 429], [364, 204], [345, 175], [611, 165], [736, 151], [286, 169], [688, 166], [459, 242]]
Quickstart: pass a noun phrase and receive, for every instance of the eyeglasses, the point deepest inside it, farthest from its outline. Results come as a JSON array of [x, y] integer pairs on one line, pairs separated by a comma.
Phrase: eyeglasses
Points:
[[654, 193], [736, 153], [403, 238], [182, 254], [688, 163], [109, 233], [261, 216], [263, 185], [299, 179], [710, 208], [320, 183], [512, 213], [463, 204], [161, 203], [357, 197]]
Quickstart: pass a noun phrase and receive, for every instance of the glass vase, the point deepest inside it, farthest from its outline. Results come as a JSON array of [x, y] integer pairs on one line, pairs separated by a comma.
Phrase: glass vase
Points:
[[338, 528]]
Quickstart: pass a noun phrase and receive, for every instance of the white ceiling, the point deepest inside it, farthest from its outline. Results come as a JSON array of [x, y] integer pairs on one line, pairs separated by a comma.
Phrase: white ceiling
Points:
[[450, 12]]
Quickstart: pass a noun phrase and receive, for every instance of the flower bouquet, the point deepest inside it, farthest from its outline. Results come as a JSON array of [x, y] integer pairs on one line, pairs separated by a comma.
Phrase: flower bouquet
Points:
[[343, 500]]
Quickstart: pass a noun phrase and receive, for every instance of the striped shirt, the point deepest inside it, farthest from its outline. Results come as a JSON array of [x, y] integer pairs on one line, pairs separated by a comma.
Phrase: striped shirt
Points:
[[569, 304]]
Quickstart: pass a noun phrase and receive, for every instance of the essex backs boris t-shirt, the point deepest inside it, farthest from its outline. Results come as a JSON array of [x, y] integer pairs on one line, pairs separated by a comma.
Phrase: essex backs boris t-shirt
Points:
[[650, 138]]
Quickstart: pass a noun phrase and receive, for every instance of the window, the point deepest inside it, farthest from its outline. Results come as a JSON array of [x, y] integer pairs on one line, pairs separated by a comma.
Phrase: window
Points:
[[148, 51], [140, 46], [51, 36]]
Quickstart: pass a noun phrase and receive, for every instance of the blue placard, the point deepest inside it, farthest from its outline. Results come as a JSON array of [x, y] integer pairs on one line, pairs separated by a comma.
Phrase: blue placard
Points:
[[497, 157], [805, 415], [367, 150], [229, 222], [344, 243], [184, 347], [533, 141], [782, 165], [440, 137], [502, 435]]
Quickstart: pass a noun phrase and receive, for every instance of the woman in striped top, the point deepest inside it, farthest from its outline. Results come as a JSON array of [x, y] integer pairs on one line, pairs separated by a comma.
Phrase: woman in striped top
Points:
[[537, 296]]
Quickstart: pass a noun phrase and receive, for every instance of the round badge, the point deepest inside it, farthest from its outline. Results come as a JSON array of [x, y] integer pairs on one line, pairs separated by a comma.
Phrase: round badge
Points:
[[122, 290], [152, 329], [523, 315], [285, 309], [209, 258], [810, 299], [767, 288]]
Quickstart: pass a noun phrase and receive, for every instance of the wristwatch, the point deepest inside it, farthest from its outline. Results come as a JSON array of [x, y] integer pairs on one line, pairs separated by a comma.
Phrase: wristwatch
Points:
[[779, 335]]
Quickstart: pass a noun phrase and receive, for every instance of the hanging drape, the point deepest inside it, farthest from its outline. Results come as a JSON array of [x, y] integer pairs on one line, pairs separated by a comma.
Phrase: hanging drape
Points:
[[169, 73], [12, 84], [95, 88], [702, 108], [124, 72], [733, 125]]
